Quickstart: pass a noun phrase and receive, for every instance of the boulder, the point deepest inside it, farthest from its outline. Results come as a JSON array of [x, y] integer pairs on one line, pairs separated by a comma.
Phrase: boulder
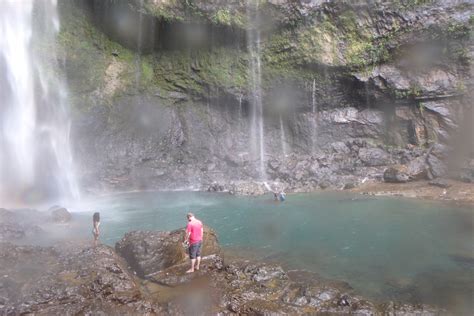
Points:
[[466, 175], [374, 157], [15, 225], [60, 214], [417, 169], [247, 188], [68, 279], [437, 167], [149, 252], [215, 187], [441, 183], [340, 147], [396, 174], [11, 231]]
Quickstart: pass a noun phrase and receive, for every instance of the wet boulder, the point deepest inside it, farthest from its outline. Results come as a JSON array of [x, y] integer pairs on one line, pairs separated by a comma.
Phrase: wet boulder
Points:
[[215, 187], [396, 174], [18, 224], [11, 231], [60, 214], [176, 275], [68, 279], [247, 188], [466, 175], [148, 252], [440, 183], [417, 169], [437, 167]]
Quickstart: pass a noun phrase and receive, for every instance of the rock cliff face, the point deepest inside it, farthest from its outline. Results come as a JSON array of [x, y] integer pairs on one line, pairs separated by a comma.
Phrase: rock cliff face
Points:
[[164, 99]]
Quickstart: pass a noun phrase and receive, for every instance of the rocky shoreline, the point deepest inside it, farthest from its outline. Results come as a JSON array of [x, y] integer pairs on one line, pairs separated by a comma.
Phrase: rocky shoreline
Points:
[[75, 278], [441, 190], [78, 279]]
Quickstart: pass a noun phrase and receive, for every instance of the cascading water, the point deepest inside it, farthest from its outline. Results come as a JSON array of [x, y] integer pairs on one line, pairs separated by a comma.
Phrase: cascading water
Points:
[[283, 137], [36, 162], [314, 124], [256, 126], [138, 60], [313, 96]]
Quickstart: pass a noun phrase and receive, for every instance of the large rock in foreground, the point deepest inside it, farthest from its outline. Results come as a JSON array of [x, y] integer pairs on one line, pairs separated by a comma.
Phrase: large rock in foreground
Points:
[[69, 279], [18, 224], [148, 252]]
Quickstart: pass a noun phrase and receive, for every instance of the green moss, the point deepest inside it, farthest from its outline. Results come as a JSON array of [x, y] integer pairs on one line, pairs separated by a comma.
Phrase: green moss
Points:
[[460, 86], [169, 11], [187, 11], [182, 71], [458, 30], [414, 91], [315, 44], [147, 71], [229, 18]]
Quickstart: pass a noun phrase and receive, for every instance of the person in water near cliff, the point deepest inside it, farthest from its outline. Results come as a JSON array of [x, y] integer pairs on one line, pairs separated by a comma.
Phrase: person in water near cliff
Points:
[[193, 236], [282, 196], [95, 227]]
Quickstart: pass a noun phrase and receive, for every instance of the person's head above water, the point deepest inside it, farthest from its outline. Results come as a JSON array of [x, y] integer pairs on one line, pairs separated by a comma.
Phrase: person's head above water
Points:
[[96, 217], [190, 216]]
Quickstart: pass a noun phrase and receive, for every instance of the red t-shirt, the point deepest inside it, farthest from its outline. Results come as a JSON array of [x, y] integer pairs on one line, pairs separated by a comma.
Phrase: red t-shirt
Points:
[[195, 228]]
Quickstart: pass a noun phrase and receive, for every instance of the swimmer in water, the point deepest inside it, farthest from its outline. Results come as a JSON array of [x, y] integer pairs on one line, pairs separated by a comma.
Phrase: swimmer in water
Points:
[[282, 196]]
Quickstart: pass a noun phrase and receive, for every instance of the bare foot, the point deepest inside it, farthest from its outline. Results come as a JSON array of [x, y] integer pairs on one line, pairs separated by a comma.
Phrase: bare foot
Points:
[[197, 268], [190, 271]]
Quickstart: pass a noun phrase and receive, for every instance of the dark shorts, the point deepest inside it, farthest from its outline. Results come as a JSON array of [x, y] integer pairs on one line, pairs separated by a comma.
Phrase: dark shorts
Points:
[[195, 250]]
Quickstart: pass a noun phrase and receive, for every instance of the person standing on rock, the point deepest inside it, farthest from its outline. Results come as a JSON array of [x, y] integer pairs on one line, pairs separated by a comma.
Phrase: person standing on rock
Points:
[[95, 227], [194, 233]]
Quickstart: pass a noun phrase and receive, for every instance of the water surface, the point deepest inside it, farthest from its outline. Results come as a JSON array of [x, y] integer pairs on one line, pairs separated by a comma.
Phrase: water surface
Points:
[[385, 248]]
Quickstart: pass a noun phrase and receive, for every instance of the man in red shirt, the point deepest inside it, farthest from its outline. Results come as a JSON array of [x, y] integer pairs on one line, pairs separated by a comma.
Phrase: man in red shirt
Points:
[[194, 233]]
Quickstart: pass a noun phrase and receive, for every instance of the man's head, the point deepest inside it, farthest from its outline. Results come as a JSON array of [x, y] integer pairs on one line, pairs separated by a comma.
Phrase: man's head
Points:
[[190, 216]]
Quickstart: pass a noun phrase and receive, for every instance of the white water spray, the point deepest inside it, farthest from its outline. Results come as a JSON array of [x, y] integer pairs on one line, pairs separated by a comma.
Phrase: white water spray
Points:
[[256, 126], [36, 162]]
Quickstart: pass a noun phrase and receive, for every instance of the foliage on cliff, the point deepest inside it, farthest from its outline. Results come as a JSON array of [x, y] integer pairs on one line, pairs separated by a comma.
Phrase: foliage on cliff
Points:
[[297, 41]]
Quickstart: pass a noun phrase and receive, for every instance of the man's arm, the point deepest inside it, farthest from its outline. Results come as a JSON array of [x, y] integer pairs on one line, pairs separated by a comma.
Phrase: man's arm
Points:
[[187, 233]]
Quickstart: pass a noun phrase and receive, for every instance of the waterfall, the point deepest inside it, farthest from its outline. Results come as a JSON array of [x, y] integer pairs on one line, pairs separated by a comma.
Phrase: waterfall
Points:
[[314, 118], [138, 61], [256, 125], [36, 162], [240, 108], [313, 96], [283, 138]]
